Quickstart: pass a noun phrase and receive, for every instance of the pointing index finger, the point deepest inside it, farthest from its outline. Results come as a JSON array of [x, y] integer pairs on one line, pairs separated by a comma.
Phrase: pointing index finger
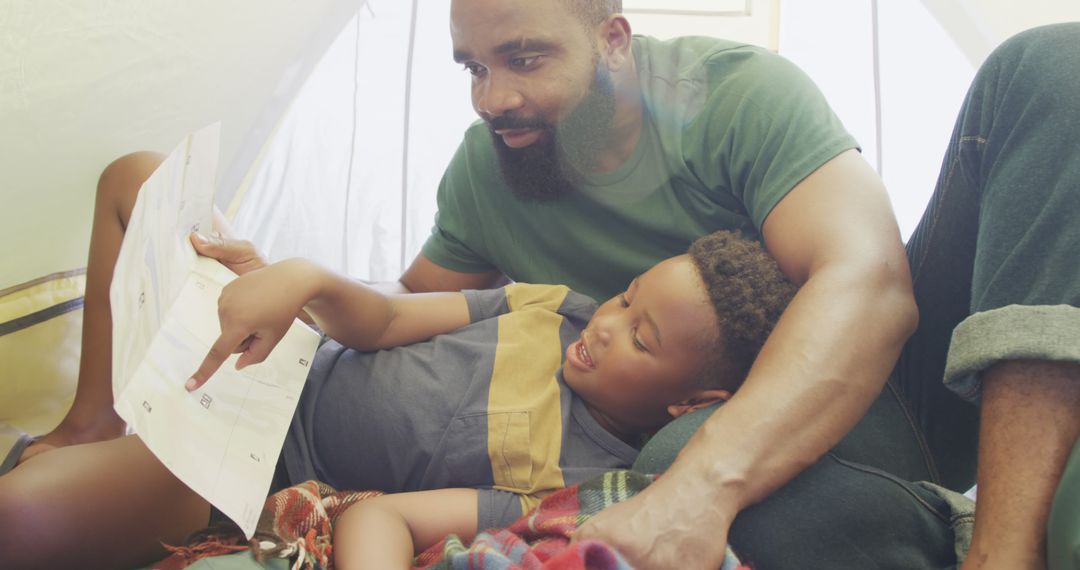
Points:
[[221, 350]]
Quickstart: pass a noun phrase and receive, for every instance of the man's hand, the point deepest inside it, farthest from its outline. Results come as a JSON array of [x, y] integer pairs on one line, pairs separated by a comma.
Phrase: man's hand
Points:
[[666, 526], [255, 311], [239, 256]]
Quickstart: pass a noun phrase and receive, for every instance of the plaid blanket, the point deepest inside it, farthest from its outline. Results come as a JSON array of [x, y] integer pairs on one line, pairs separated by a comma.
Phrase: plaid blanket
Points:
[[297, 524]]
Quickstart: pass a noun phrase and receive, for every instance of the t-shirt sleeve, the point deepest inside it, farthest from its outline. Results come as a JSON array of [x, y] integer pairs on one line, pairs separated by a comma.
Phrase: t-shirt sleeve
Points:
[[496, 509], [765, 127], [489, 303], [578, 308], [458, 227], [486, 303]]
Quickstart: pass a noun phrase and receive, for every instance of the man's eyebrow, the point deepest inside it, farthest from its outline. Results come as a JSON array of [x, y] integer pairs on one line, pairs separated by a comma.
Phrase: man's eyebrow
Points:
[[523, 44], [461, 56]]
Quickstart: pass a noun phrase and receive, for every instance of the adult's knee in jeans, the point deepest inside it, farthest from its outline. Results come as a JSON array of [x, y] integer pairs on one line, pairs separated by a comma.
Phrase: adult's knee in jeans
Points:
[[1048, 47], [119, 183], [840, 515]]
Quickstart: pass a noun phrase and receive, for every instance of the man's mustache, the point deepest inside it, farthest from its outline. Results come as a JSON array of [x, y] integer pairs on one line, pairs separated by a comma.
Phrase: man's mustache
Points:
[[508, 122]]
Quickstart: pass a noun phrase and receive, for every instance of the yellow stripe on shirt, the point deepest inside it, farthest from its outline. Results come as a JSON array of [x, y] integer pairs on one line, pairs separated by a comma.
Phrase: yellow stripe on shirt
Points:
[[524, 413]]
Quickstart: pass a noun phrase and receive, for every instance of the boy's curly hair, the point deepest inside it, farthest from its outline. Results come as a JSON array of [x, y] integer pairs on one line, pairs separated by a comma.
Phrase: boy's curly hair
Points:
[[748, 292]]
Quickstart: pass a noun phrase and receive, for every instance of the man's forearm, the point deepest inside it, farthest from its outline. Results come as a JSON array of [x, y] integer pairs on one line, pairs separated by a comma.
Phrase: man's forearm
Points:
[[824, 364], [816, 376], [1029, 423]]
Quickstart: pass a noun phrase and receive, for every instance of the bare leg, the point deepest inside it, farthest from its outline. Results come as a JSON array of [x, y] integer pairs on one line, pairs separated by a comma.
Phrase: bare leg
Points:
[[102, 505], [91, 417]]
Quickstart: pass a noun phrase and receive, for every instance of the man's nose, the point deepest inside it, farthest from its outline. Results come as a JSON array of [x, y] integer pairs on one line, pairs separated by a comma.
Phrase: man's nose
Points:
[[497, 96]]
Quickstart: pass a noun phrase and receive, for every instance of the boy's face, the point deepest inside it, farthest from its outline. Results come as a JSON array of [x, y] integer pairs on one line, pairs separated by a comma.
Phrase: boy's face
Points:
[[642, 351]]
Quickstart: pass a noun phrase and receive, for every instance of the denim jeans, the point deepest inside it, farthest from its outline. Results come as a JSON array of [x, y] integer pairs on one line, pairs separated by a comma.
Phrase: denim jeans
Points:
[[837, 514], [996, 270], [997, 249]]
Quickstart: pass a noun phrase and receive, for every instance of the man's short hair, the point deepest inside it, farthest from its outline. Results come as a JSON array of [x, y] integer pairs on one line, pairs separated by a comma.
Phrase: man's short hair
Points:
[[592, 12], [748, 292]]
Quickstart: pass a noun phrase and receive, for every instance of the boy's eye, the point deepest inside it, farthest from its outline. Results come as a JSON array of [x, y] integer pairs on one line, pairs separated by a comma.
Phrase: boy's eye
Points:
[[637, 342], [622, 301]]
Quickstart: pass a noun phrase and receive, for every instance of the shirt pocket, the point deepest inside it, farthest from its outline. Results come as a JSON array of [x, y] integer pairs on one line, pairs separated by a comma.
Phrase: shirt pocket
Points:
[[491, 449]]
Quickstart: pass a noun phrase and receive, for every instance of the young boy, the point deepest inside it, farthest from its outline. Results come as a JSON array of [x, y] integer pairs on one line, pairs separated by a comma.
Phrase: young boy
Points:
[[681, 337], [472, 406]]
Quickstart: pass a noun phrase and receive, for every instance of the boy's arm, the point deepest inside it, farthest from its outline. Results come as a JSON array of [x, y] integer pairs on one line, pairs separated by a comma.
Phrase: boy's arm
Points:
[[257, 309], [362, 317], [388, 531]]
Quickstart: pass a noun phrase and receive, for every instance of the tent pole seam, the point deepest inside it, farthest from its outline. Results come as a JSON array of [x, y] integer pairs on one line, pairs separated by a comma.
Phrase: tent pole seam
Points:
[[878, 135], [25, 322], [40, 280], [405, 140], [352, 151]]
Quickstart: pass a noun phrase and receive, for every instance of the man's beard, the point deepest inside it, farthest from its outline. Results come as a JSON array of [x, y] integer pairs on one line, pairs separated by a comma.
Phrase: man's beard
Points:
[[552, 166]]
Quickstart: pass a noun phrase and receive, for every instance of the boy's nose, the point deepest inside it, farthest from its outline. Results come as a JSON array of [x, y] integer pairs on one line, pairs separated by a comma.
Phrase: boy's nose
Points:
[[601, 333]]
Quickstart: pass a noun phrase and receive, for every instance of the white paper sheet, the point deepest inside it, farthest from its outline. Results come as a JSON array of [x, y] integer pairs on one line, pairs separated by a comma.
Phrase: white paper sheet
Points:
[[222, 440]]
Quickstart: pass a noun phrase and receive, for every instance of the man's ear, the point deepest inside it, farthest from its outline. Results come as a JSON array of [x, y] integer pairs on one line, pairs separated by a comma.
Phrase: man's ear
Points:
[[702, 399], [615, 44]]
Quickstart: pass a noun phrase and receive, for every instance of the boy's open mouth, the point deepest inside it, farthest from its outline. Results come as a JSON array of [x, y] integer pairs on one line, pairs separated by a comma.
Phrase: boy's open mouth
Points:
[[583, 352]]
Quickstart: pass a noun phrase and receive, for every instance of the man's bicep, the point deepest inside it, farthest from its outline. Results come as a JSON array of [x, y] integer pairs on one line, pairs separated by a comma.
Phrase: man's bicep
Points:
[[425, 276], [838, 214]]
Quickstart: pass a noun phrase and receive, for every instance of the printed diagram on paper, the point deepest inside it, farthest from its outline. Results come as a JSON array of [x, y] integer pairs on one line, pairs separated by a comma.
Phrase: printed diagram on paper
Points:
[[224, 439]]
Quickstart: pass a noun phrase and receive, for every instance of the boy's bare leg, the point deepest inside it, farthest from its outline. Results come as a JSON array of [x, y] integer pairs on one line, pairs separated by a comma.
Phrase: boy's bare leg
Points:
[[108, 504], [91, 417]]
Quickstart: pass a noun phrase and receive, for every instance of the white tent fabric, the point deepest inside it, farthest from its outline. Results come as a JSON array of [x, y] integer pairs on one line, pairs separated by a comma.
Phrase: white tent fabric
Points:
[[343, 167], [82, 83], [375, 125]]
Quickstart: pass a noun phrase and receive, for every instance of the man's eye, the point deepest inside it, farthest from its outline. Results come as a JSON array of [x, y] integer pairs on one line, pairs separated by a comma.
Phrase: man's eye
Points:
[[474, 69], [524, 62]]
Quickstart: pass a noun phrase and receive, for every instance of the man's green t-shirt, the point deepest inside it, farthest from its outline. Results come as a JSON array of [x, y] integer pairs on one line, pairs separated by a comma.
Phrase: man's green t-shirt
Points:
[[728, 130]]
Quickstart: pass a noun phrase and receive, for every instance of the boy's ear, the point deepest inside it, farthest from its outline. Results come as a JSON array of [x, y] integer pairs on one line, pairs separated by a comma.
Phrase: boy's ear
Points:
[[702, 399]]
